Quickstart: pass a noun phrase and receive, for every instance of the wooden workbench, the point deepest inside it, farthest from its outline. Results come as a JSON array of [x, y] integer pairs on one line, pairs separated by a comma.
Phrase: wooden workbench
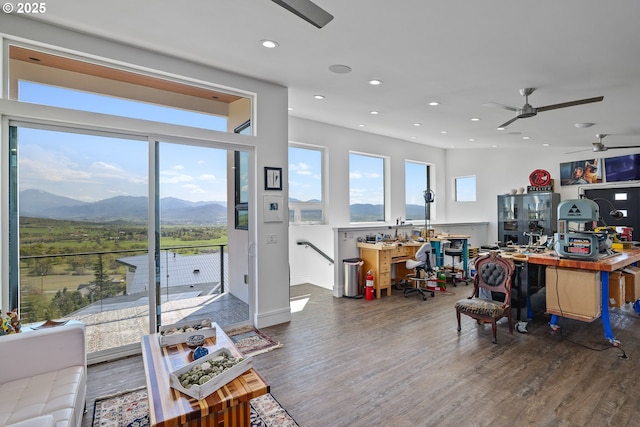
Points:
[[605, 266]]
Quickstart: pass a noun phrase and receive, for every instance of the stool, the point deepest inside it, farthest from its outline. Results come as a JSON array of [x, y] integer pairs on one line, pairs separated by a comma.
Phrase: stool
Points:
[[453, 253]]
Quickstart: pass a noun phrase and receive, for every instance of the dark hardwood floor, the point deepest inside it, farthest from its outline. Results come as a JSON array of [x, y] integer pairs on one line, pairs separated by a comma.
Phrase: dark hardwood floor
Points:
[[400, 362]]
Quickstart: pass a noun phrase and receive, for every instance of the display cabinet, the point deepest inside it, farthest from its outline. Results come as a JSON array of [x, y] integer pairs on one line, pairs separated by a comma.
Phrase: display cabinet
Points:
[[526, 213]]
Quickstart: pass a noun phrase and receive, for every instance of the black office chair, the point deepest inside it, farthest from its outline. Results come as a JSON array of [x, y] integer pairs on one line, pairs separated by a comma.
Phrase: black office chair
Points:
[[454, 251], [421, 266]]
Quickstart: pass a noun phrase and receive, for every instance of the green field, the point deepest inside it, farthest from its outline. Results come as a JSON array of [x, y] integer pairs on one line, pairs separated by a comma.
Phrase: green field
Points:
[[59, 256]]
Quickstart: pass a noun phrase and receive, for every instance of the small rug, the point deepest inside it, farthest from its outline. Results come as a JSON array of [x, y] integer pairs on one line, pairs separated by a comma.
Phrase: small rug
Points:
[[131, 409], [252, 341]]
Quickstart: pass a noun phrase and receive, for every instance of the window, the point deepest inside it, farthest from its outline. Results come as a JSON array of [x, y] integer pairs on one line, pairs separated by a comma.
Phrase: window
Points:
[[416, 181], [306, 205], [241, 181], [366, 188], [465, 188], [63, 81]]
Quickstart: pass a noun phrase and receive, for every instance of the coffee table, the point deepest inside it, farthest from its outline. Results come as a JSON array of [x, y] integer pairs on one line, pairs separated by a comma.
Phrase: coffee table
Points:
[[228, 406]]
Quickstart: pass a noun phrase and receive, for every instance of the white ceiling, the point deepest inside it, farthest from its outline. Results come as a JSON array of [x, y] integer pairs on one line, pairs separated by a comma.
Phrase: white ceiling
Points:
[[461, 53]]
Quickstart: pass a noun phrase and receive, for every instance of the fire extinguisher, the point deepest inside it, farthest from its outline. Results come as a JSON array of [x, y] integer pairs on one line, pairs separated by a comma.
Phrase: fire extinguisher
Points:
[[369, 287]]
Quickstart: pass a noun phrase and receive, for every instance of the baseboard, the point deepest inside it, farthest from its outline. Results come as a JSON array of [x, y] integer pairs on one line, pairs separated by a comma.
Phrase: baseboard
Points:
[[276, 317]]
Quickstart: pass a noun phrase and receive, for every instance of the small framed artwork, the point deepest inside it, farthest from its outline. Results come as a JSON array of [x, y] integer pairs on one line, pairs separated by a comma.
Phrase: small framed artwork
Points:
[[272, 178], [273, 209]]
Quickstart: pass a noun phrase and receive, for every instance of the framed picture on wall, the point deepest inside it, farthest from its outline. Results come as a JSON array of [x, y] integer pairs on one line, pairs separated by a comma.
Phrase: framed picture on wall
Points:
[[272, 178], [273, 209]]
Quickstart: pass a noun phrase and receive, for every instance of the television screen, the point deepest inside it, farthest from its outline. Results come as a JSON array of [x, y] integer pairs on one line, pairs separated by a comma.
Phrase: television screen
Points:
[[622, 168]]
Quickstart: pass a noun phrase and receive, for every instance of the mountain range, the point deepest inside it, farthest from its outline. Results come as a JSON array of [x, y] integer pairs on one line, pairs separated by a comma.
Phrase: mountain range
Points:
[[41, 204]]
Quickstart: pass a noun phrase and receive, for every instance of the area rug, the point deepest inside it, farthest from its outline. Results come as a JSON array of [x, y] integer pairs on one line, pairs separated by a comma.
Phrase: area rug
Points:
[[131, 409], [251, 341]]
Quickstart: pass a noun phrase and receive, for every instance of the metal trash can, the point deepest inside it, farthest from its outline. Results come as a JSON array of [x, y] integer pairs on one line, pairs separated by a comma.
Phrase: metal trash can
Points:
[[352, 277]]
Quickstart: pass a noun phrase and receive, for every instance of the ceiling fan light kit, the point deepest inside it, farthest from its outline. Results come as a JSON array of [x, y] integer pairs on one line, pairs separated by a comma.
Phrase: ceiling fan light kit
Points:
[[527, 110], [307, 10]]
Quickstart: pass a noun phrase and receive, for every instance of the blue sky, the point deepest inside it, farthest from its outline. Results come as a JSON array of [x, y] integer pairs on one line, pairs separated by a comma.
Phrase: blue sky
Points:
[[91, 168]]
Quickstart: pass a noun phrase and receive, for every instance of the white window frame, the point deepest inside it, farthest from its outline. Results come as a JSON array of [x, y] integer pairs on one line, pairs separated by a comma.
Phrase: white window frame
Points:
[[298, 207]]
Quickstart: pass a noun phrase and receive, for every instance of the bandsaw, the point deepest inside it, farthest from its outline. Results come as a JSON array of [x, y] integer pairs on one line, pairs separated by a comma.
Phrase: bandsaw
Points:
[[580, 244]]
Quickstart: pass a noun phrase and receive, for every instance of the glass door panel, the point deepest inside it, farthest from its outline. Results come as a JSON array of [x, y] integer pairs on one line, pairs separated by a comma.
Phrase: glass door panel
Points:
[[193, 254], [79, 210]]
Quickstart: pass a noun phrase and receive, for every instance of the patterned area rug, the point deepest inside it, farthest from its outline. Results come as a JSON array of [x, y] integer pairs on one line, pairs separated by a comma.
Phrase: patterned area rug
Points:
[[131, 409], [252, 341]]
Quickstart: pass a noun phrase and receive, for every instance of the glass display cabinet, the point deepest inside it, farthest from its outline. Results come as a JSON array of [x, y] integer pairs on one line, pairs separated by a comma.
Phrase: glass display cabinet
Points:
[[533, 213]]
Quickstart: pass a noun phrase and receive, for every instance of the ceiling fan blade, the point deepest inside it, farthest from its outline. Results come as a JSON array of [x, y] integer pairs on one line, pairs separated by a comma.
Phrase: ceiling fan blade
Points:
[[570, 103], [307, 10], [505, 124], [579, 151], [623, 146], [505, 107]]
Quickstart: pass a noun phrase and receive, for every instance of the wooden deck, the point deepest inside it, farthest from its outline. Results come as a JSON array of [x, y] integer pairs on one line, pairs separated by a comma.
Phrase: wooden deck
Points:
[[400, 362]]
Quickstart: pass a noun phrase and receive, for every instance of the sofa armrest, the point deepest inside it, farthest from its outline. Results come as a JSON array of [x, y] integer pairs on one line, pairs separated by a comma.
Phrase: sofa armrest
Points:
[[31, 353]]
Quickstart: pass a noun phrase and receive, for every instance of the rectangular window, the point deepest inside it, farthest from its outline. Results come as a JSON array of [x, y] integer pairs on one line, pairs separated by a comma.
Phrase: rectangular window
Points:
[[465, 188], [416, 182], [63, 81], [366, 188], [306, 204]]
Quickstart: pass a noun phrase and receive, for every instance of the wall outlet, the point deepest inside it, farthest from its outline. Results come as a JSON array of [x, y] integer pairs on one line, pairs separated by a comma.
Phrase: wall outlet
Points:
[[272, 239]]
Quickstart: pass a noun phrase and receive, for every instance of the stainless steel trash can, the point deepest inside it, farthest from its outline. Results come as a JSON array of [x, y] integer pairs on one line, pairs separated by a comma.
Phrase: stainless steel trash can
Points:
[[352, 277]]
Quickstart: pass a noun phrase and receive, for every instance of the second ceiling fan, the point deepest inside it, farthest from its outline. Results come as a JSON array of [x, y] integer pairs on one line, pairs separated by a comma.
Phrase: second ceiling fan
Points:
[[528, 111]]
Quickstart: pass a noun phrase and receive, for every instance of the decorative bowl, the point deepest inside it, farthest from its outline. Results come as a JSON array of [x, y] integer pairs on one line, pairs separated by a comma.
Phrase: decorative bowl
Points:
[[195, 340]]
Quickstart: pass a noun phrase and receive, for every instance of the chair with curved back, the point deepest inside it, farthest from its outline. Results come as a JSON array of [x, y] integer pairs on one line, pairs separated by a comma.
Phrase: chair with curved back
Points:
[[494, 274]]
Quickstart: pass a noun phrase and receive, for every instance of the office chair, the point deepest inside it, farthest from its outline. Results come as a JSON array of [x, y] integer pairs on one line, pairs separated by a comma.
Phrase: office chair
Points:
[[454, 251], [494, 274], [420, 265]]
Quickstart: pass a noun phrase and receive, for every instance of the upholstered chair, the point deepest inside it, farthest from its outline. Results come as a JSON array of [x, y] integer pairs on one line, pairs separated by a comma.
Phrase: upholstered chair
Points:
[[493, 274]]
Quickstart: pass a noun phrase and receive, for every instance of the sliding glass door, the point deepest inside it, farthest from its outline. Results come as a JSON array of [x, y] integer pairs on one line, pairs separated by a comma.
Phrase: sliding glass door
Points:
[[79, 233]]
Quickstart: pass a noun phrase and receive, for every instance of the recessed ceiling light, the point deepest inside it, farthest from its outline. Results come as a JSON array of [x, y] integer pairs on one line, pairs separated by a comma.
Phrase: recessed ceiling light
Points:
[[318, 96], [290, 108], [494, 146], [471, 139], [374, 112], [361, 125], [417, 124], [545, 144], [375, 82], [434, 103], [500, 128], [413, 137], [584, 125], [339, 69], [526, 137], [270, 44], [475, 119], [443, 131]]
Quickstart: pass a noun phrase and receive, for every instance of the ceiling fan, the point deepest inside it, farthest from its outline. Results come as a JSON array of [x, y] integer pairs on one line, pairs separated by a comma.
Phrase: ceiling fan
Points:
[[528, 111], [599, 146], [307, 10]]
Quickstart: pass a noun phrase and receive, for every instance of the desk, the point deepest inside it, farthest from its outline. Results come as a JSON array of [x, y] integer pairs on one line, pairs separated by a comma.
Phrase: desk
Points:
[[605, 266], [229, 406], [378, 257]]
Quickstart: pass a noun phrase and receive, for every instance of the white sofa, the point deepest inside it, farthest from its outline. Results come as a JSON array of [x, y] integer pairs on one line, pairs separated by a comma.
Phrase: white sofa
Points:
[[43, 379]]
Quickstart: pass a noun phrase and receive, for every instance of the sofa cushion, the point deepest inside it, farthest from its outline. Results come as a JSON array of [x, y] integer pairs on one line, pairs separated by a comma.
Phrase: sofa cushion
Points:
[[42, 421], [58, 393]]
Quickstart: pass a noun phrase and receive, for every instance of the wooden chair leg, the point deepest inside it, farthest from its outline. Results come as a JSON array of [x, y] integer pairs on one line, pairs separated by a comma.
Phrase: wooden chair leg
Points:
[[458, 316], [494, 329]]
